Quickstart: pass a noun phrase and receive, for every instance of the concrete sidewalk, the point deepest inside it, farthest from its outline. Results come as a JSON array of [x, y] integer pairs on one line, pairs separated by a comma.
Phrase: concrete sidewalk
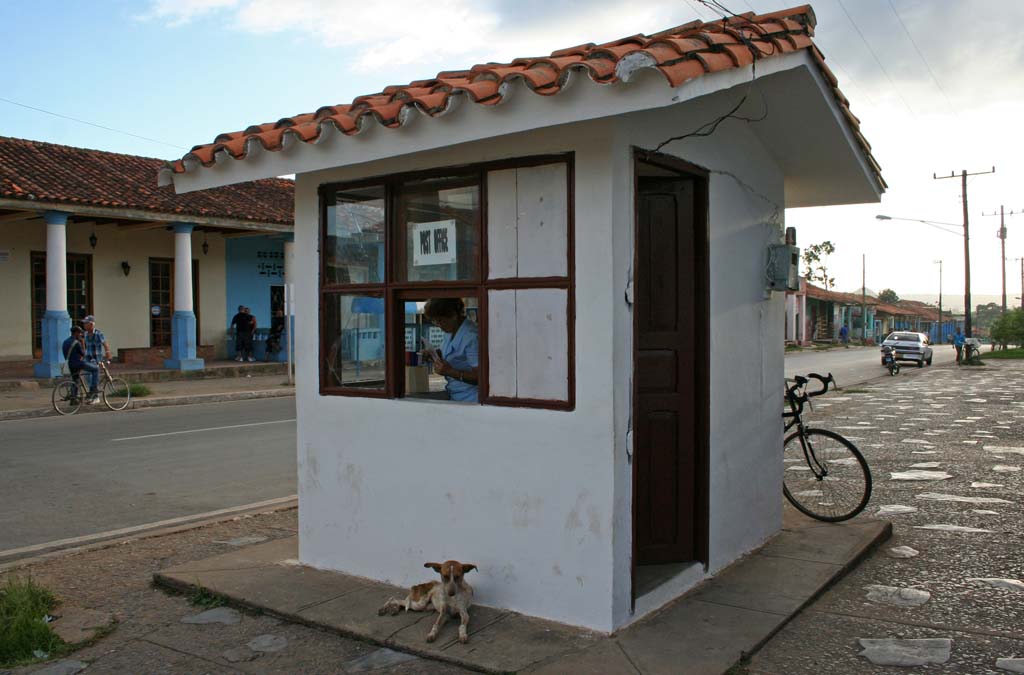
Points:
[[28, 402], [707, 631]]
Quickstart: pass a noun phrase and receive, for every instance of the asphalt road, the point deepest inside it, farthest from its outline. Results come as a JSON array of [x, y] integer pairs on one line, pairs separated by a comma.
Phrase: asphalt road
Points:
[[856, 364], [66, 477]]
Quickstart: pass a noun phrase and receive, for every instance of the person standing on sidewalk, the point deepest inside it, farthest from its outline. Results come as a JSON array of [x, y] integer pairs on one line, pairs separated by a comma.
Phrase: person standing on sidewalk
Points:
[[240, 323], [96, 348], [250, 336], [958, 345], [844, 336]]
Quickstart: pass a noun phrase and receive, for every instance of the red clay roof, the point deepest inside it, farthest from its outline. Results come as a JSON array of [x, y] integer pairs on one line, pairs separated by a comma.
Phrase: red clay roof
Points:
[[900, 308], [680, 54], [43, 172]]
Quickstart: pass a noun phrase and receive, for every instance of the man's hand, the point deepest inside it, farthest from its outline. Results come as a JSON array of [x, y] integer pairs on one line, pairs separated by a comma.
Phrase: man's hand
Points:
[[442, 367]]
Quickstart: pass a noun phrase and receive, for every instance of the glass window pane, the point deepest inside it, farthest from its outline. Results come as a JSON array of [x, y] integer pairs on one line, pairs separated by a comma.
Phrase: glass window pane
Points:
[[354, 330], [439, 223], [461, 348], [354, 243]]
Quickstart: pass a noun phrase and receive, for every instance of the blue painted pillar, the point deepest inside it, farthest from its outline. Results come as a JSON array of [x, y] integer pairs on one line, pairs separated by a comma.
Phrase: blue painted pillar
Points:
[[56, 322], [183, 323]]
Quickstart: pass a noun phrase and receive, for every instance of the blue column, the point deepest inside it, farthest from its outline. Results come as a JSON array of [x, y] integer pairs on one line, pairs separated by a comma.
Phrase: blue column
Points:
[[183, 323], [56, 324]]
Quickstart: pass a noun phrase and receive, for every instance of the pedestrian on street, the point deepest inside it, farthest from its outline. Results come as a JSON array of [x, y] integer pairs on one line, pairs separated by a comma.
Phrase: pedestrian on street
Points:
[[96, 348], [240, 322], [74, 352], [844, 336], [958, 345], [250, 336]]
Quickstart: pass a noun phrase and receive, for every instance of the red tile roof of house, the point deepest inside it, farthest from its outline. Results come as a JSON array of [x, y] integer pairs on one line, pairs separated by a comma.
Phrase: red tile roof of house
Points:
[[680, 54], [899, 308], [44, 172]]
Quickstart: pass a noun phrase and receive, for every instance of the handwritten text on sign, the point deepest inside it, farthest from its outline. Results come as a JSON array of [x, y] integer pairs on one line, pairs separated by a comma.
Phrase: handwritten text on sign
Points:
[[433, 243]]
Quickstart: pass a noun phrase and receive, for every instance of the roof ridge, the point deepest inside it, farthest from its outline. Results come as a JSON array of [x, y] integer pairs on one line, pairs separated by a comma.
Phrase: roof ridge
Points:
[[76, 148]]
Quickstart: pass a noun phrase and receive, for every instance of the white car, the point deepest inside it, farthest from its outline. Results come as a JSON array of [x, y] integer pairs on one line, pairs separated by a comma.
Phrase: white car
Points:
[[910, 347]]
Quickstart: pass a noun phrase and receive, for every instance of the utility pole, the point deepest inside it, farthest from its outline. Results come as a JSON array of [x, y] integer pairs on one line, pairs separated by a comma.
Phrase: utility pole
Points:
[[1002, 244], [863, 300], [1021, 280], [938, 337], [967, 244]]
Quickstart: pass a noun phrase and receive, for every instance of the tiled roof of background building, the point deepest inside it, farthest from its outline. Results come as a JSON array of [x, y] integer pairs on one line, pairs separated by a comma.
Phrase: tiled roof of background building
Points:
[[44, 172], [679, 54]]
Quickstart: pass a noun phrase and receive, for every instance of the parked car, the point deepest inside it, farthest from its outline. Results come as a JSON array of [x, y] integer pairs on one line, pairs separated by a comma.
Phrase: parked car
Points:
[[910, 347]]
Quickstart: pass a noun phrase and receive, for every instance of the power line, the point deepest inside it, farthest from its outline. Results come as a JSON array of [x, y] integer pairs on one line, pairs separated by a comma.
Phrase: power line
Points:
[[923, 59], [91, 124], [875, 57]]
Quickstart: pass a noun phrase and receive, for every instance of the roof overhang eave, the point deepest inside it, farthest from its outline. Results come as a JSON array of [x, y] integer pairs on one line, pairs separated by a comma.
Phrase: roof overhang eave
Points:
[[143, 215], [643, 88]]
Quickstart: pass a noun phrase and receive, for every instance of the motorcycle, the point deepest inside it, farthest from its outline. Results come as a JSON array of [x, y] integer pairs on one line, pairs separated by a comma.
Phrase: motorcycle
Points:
[[889, 360]]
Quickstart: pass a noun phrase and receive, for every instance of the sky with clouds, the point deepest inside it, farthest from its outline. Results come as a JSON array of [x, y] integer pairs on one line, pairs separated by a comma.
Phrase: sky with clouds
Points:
[[938, 86]]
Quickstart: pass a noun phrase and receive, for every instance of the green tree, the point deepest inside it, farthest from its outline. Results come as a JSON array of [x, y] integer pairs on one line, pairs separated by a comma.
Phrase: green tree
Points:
[[888, 296], [816, 263], [986, 315], [1008, 329]]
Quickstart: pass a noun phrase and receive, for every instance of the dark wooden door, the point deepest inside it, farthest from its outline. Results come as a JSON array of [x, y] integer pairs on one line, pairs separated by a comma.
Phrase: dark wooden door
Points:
[[665, 426], [79, 273], [161, 300]]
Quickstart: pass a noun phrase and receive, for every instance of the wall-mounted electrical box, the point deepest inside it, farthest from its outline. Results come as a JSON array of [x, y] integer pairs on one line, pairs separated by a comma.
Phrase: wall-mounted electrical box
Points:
[[782, 271]]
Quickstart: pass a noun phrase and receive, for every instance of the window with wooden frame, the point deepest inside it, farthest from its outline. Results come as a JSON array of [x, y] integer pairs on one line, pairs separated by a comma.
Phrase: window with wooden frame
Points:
[[498, 236]]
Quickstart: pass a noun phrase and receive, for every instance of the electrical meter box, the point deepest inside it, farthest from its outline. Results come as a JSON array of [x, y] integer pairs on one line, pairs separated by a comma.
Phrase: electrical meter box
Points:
[[783, 269]]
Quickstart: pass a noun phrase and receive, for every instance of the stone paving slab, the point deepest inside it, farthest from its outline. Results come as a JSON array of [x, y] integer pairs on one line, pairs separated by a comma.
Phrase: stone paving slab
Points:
[[706, 631]]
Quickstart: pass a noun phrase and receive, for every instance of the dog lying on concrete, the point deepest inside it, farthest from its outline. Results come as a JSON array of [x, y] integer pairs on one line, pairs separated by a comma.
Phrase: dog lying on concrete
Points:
[[452, 595]]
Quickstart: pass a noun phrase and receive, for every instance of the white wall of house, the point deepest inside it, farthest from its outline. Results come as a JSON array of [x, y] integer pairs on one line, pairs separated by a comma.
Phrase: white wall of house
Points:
[[541, 500], [121, 304], [745, 334], [526, 494]]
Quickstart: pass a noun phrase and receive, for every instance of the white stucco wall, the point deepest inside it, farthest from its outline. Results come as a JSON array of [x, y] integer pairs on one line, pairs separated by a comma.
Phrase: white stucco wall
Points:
[[541, 500], [386, 485], [746, 369], [121, 304]]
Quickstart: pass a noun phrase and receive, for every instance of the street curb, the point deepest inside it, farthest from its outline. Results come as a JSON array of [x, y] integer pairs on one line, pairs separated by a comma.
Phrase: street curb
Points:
[[140, 403], [883, 535], [161, 532]]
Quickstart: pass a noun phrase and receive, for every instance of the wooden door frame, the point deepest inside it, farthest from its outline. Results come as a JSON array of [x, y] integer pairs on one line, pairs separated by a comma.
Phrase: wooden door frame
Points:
[[701, 514], [35, 255]]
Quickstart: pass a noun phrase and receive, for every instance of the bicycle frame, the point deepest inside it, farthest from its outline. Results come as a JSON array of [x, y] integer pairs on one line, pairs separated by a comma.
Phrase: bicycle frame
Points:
[[796, 406]]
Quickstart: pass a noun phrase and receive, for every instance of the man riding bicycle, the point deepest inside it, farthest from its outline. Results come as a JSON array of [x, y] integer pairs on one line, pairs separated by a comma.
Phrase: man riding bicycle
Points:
[[74, 352], [95, 343]]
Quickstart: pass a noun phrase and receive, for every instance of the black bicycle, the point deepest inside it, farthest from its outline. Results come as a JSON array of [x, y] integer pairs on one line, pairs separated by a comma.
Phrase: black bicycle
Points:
[[824, 475]]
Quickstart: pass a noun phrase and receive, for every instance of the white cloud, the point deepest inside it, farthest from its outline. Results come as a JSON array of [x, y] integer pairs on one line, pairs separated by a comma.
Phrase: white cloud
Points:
[[181, 12]]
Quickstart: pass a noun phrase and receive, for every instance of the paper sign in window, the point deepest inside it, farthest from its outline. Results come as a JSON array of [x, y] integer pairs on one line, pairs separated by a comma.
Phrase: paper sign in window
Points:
[[434, 243]]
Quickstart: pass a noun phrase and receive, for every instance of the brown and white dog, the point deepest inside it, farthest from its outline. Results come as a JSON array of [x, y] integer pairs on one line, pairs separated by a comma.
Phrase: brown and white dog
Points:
[[452, 595]]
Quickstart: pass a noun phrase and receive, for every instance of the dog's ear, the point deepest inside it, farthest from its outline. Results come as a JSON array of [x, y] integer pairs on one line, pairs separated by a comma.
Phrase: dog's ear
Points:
[[434, 566], [468, 567]]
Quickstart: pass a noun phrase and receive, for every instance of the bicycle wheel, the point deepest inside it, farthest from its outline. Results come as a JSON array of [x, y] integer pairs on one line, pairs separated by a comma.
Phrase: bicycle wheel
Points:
[[66, 398], [831, 481], [116, 393]]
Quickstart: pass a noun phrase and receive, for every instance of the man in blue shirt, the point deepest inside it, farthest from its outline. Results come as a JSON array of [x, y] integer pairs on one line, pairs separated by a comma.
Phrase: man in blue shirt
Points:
[[95, 345], [74, 351], [958, 345]]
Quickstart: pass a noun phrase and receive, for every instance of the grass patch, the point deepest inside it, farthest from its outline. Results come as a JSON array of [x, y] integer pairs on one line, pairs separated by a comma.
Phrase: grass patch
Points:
[[1016, 353], [136, 389], [23, 629], [794, 348], [203, 597]]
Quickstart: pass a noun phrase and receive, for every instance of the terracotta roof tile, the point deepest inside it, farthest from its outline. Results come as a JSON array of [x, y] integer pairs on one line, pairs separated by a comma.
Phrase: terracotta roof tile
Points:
[[680, 54], [44, 172]]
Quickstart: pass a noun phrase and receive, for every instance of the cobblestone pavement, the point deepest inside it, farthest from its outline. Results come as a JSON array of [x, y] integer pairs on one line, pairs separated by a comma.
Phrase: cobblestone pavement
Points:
[[967, 585], [150, 636]]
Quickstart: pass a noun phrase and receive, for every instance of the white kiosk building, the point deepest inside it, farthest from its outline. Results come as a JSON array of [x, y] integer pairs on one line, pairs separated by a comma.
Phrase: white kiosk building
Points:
[[606, 215]]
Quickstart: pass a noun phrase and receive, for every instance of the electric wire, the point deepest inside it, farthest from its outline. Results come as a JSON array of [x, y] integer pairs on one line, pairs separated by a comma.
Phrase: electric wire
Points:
[[91, 124], [875, 57]]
